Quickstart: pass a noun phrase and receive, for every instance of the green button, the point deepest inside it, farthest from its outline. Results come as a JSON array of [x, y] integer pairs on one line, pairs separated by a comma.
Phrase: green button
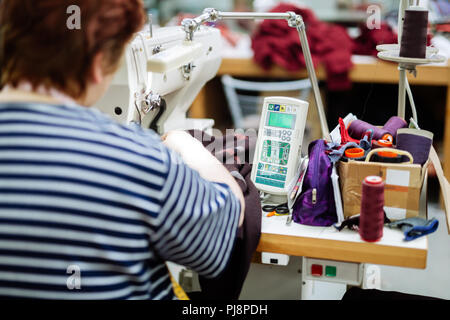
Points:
[[330, 271]]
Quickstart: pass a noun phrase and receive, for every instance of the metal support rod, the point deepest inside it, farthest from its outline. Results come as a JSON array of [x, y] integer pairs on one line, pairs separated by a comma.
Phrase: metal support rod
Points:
[[294, 20], [314, 82], [252, 15], [402, 92], [150, 24]]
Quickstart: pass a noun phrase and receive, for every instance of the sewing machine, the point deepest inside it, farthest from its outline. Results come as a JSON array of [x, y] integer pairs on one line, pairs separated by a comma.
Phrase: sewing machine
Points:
[[163, 71], [157, 95]]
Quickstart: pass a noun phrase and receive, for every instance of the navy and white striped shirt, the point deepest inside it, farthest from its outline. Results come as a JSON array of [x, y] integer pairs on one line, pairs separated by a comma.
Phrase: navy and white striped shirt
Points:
[[90, 209]]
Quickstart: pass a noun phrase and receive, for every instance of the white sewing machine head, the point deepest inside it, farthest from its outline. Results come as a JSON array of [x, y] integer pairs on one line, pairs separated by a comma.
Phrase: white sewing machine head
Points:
[[151, 89]]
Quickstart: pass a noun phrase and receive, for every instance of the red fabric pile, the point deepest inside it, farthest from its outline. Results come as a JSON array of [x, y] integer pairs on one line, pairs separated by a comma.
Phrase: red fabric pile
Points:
[[276, 43], [368, 40]]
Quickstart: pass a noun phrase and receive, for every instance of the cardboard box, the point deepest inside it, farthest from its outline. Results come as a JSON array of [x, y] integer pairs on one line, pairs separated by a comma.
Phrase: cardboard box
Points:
[[405, 185]]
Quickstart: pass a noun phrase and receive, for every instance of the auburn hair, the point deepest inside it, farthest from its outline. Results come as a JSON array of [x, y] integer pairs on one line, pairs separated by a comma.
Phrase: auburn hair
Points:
[[38, 45]]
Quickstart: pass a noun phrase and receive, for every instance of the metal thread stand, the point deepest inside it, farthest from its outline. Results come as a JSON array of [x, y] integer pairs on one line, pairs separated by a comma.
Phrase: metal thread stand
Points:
[[392, 53], [294, 20]]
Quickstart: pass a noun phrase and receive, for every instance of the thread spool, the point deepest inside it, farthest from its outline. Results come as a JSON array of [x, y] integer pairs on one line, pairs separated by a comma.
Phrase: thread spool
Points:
[[392, 126], [381, 144], [385, 151], [387, 157], [355, 154], [371, 219], [414, 36], [417, 142], [358, 128], [388, 137]]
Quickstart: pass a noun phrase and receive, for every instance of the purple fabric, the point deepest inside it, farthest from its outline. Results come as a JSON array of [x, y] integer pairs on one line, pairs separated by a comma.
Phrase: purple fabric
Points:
[[418, 146], [318, 177]]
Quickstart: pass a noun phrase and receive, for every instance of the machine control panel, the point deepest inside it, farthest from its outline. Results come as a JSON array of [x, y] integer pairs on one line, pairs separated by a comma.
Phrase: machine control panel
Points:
[[332, 271], [279, 143]]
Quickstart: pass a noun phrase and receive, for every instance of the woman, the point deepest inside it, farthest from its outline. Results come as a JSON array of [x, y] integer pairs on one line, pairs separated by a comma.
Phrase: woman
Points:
[[90, 209]]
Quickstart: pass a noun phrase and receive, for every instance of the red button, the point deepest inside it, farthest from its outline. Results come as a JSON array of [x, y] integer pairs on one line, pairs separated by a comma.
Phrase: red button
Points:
[[316, 270]]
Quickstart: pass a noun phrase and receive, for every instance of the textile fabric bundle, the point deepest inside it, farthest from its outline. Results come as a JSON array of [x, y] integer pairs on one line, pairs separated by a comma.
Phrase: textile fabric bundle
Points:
[[234, 151], [276, 43], [368, 40]]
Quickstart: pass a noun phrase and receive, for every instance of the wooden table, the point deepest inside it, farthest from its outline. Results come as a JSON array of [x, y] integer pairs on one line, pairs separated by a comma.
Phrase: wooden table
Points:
[[346, 245]]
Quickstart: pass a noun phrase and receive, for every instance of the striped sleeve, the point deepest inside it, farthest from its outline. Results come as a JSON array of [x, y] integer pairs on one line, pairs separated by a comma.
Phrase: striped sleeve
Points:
[[198, 220]]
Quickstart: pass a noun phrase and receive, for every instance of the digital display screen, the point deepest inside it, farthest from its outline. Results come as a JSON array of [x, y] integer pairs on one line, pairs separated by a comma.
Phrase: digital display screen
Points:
[[281, 120]]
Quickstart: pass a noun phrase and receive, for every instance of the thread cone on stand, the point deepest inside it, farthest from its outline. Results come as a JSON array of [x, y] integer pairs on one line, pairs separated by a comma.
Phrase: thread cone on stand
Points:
[[414, 36]]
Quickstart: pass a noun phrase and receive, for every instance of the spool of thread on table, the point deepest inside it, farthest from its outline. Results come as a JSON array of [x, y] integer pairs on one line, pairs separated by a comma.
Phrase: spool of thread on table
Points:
[[417, 142], [371, 219], [381, 144], [358, 128], [414, 36], [393, 124]]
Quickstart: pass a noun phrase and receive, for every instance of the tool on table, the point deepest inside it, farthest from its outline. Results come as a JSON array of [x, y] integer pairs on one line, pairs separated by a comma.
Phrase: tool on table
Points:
[[352, 222], [298, 185], [276, 210], [415, 227]]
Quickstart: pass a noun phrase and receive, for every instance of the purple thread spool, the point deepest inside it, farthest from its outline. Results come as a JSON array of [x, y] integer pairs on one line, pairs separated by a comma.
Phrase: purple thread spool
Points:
[[414, 36], [357, 129], [393, 124], [417, 142]]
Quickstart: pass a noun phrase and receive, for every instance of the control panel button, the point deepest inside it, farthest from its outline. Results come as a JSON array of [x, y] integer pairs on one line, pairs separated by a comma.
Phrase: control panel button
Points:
[[330, 271], [316, 270]]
